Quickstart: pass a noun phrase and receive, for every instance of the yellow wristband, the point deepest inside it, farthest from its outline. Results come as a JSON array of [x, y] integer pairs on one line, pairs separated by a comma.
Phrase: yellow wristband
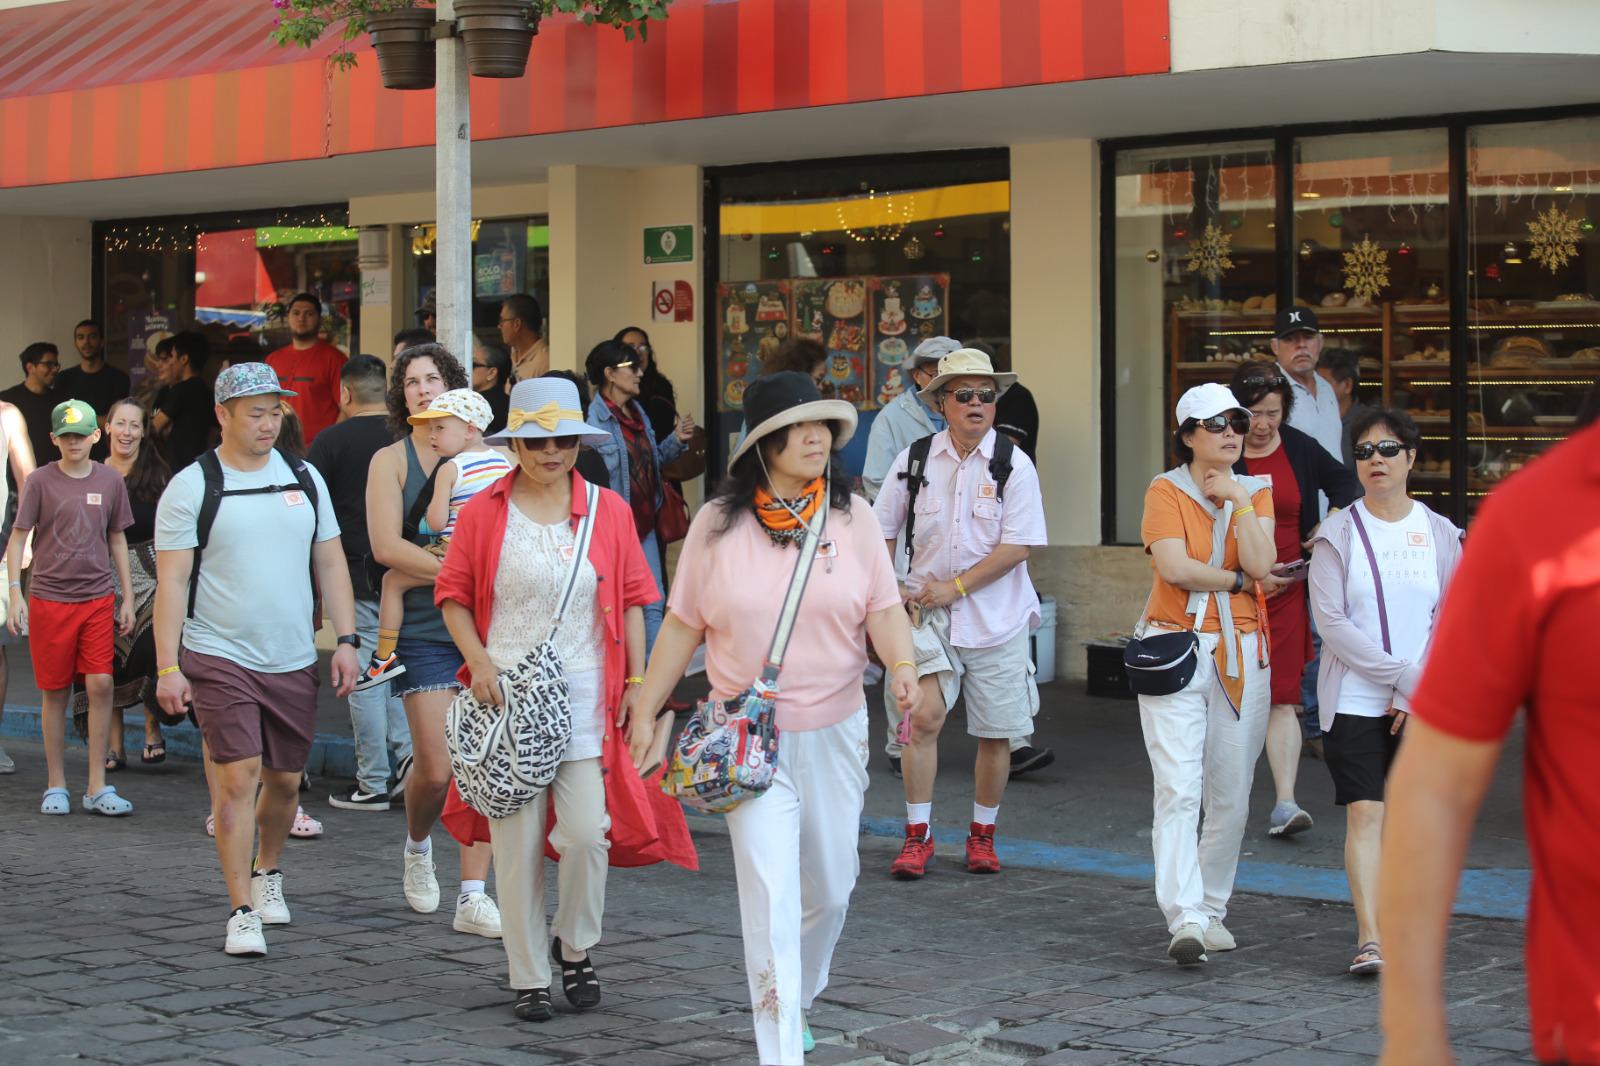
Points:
[[633, 681], [904, 662], [1241, 512], [166, 670], [959, 586]]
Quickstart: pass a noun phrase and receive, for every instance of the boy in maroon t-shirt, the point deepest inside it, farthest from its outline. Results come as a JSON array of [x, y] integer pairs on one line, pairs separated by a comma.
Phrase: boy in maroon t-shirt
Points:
[[77, 511]]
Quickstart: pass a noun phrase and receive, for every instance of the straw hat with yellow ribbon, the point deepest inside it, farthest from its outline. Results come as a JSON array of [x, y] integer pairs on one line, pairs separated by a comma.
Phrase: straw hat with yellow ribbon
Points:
[[545, 407]]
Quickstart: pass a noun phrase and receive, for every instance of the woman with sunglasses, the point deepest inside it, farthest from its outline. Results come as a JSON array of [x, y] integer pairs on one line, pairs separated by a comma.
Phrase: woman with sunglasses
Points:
[[1209, 535], [1378, 573], [632, 453], [656, 394], [1298, 469], [499, 587]]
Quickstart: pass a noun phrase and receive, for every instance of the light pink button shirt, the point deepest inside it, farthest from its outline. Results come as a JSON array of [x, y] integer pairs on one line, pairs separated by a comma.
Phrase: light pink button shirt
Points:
[[960, 520]]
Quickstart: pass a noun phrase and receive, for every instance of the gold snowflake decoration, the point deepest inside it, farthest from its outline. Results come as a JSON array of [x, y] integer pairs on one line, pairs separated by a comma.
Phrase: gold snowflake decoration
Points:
[[1555, 238], [1366, 269], [1208, 253]]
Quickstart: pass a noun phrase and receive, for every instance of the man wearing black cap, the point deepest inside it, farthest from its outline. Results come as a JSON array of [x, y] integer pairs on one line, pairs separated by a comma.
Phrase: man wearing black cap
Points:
[[1297, 344]]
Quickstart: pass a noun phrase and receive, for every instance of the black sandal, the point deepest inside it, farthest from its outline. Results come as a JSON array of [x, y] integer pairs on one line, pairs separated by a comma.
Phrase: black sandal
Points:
[[115, 762], [534, 1005], [578, 979]]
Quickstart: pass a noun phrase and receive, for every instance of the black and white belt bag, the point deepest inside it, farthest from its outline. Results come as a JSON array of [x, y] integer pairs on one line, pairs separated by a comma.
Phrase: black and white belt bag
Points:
[[1162, 662]]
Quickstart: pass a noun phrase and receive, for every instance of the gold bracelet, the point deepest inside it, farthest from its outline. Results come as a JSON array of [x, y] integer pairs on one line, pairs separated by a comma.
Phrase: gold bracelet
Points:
[[959, 586], [903, 662], [166, 670], [1241, 512], [633, 681]]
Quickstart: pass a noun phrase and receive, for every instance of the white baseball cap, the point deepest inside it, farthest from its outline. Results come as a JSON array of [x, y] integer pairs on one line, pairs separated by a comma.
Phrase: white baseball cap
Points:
[[1204, 401], [462, 403]]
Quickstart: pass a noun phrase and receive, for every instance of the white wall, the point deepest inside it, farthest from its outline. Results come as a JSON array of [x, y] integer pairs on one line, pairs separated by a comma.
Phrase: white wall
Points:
[[44, 286]]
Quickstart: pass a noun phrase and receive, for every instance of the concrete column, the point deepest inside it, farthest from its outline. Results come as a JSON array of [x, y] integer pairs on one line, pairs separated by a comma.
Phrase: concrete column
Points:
[[45, 288], [453, 167]]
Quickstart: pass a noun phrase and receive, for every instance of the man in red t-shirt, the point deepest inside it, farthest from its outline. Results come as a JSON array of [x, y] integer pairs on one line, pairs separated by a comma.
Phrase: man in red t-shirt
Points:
[[1516, 630], [309, 367]]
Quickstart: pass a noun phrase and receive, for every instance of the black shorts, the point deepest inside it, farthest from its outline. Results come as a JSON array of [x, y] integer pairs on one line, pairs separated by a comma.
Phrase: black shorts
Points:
[[1359, 752]]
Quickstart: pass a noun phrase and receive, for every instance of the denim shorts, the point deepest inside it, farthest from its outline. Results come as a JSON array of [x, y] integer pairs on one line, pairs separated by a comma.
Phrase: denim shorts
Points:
[[431, 666]]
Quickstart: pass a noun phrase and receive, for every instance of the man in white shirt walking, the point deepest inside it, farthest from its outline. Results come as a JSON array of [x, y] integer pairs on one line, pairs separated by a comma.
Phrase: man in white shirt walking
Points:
[[977, 511]]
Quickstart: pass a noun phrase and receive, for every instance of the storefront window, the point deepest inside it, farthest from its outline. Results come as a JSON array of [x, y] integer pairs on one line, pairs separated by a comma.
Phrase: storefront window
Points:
[[1533, 321], [229, 277], [508, 256], [866, 258], [1371, 254], [1195, 292]]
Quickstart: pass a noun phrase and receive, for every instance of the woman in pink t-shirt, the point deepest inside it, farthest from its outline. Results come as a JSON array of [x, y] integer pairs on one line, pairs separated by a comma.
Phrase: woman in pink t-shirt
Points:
[[794, 846]]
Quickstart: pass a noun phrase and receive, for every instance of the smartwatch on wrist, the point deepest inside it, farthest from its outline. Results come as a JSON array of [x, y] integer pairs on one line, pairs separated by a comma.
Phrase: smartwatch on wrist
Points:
[[1238, 582], [352, 639]]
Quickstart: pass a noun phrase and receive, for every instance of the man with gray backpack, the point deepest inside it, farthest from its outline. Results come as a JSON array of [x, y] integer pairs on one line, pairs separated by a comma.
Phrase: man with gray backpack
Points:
[[241, 537]]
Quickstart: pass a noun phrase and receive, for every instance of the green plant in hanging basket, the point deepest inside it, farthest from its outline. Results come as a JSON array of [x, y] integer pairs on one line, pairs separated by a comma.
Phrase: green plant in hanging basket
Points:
[[305, 22]]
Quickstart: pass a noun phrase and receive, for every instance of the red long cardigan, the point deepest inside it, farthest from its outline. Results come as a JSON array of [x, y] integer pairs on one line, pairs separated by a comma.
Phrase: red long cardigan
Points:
[[646, 825]]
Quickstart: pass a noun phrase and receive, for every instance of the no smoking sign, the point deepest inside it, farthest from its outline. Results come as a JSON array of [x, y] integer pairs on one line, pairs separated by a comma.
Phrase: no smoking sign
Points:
[[671, 301]]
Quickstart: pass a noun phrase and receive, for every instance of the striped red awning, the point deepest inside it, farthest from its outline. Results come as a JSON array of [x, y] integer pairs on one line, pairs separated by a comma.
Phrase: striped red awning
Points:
[[94, 90]]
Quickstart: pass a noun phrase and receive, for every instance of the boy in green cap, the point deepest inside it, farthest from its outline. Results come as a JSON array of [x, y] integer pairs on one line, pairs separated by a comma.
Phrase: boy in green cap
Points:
[[77, 510]]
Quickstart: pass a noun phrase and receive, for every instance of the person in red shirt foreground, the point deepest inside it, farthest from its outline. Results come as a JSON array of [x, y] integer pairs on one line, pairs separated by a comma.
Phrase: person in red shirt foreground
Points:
[[1515, 631], [498, 587], [309, 366]]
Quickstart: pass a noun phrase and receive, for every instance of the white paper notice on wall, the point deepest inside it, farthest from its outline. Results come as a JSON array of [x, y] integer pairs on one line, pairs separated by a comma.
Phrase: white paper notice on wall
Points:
[[375, 287], [661, 301]]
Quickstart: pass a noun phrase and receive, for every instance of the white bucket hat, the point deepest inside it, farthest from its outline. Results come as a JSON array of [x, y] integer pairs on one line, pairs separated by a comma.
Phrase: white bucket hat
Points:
[[967, 363], [545, 407]]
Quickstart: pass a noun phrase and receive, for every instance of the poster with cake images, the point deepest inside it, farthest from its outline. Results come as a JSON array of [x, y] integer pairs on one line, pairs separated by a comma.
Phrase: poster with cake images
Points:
[[905, 312], [834, 312], [753, 320]]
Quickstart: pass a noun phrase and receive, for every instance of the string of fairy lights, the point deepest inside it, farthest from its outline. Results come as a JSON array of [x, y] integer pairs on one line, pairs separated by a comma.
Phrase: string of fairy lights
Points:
[[189, 235]]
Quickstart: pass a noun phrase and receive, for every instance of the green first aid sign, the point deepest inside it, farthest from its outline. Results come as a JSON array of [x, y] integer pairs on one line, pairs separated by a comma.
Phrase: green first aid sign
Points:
[[668, 244]]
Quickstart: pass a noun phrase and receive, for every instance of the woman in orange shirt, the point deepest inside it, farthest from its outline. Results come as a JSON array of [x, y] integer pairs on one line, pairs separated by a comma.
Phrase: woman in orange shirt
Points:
[[1209, 534]]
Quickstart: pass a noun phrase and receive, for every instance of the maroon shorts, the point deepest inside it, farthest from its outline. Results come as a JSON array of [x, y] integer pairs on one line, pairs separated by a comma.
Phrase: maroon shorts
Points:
[[66, 639], [244, 713]]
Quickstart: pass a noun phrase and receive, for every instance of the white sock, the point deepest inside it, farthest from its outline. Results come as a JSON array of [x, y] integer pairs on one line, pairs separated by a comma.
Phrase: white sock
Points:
[[984, 815], [467, 889], [419, 847], [919, 813]]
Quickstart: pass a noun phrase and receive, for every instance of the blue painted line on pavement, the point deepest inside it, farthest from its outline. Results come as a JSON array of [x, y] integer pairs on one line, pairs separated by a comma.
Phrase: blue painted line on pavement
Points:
[[1484, 893]]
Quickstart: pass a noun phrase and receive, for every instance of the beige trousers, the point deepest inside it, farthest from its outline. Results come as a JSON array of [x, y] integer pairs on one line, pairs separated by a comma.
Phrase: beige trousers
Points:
[[580, 839]]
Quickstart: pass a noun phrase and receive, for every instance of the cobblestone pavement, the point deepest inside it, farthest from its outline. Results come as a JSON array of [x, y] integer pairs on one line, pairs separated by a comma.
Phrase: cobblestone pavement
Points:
[[110, 951]]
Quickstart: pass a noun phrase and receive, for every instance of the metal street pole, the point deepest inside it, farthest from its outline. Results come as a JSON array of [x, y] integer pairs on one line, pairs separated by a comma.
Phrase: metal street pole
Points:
[[453, 191]]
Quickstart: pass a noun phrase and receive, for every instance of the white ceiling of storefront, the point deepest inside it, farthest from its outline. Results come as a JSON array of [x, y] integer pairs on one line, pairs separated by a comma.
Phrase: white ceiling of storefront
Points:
[[1390, 86]]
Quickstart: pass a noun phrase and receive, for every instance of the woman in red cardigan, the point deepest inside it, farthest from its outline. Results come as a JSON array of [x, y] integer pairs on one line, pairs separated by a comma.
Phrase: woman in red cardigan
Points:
[[498, 588]]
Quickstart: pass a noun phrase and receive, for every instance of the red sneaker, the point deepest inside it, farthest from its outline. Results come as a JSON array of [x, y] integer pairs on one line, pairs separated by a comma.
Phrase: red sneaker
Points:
[[981, 858], [915, 854]]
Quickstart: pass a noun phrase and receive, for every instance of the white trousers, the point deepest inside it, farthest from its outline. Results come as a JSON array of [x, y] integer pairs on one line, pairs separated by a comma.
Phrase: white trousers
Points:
[[580, 839], [1203, 759], [794, 851]]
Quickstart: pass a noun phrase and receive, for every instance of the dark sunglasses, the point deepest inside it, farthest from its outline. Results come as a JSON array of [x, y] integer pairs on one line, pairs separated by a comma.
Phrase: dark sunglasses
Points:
[[965, 396], [1386, 448], [626, 364], [482, 366], [1238, 421], [563, 444]]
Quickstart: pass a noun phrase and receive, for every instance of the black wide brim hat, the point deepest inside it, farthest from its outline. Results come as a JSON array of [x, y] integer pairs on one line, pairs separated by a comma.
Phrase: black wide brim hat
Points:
[[789, 398]]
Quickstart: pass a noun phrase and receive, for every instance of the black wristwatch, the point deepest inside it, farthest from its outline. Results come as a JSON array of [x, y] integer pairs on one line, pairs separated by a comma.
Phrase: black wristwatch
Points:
[[352, 639], [1238, 583]]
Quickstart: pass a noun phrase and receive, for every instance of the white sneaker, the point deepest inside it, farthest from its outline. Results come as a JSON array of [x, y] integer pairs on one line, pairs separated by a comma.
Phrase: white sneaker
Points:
[[1217, 937], [266, 896], [422, 887], [244, 935], [478, 915], [1188, 944], [6, 765]]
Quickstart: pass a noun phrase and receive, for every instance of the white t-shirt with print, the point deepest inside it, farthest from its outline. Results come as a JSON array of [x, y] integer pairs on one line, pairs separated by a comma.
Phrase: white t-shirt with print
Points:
[[1406, 559]]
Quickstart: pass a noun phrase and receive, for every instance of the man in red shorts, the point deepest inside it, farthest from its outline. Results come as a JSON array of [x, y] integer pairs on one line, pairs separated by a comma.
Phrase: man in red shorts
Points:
[[249, 660], [77, 510], [1515, 632]]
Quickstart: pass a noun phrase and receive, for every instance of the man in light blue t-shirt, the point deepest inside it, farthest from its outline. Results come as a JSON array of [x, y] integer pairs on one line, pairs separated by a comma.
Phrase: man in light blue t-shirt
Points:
[[249, 659]]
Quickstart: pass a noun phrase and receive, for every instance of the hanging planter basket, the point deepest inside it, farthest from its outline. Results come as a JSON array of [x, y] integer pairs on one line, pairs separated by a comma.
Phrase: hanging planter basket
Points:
[[498, 36], [404, 43]]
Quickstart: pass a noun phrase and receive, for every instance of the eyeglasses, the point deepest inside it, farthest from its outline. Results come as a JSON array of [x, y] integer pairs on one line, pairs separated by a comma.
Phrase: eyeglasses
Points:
[[642, 346], [1386, 448], [1238, 421], [626, 364], [482, 366], [503, 321], [1261, 381], [966, 396], [48, 366]]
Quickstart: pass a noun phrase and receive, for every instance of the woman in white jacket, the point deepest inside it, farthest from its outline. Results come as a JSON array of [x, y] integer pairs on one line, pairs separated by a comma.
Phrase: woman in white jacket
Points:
[[1378, 572]]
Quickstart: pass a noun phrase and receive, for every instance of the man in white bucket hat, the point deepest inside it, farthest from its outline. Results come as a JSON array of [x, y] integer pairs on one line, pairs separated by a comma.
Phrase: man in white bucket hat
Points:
[[969, 504]]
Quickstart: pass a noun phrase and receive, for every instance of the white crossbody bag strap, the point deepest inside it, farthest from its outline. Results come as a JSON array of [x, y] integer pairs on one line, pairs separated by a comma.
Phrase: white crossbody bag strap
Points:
[[580, 552], [797, 586]]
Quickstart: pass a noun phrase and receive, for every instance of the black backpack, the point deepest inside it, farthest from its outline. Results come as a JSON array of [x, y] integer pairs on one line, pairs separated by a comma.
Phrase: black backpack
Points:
[[211, 500], [917, 461]]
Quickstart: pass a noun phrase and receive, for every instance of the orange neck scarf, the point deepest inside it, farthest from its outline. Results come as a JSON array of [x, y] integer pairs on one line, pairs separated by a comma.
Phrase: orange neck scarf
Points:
[[779, 521]]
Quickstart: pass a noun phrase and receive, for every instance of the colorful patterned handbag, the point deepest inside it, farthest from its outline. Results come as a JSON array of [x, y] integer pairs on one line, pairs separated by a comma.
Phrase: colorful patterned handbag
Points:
[[728, 751]]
